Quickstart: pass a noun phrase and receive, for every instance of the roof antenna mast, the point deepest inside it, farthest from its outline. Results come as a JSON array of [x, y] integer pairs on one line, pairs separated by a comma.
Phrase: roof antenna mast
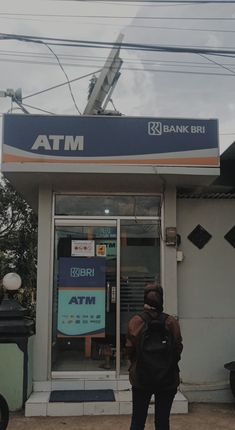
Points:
[[101, 88]]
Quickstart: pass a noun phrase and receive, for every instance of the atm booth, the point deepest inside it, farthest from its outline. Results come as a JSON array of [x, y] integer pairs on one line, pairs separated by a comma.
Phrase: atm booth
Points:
[[104, 188]]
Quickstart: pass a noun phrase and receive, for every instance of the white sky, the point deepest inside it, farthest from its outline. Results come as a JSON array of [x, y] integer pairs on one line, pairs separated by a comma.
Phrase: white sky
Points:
[[164, 91]]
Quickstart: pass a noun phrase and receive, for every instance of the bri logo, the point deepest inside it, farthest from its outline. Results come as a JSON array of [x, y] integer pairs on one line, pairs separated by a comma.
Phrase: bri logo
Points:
[[77, 272], [156, 128]]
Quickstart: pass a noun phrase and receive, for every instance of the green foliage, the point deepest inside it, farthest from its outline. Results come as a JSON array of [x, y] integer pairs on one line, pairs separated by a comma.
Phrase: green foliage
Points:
[[18, 236]]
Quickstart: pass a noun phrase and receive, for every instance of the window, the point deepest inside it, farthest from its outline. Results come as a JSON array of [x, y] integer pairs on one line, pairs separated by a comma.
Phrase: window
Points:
[[107, 205]]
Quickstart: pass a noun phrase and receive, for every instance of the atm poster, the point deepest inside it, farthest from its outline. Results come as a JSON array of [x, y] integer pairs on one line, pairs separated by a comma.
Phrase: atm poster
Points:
[[81, 297]]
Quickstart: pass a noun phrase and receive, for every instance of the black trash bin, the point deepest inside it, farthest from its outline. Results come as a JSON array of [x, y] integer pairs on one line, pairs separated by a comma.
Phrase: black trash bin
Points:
[[231, 367]]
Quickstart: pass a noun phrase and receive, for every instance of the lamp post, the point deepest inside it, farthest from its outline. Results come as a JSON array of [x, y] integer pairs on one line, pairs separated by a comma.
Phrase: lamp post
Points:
[[11, 312], [11, 283], [16, 331]]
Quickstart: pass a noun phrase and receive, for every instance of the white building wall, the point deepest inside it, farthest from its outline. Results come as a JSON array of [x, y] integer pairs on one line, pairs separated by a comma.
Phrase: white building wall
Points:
[[168, 260], [42, 344], [206, 299]]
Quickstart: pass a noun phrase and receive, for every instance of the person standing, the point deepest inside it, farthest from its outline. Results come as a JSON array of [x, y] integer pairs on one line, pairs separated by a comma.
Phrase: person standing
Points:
[[142, 390]]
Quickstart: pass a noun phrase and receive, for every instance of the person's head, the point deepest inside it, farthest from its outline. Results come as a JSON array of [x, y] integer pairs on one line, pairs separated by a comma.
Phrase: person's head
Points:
[[153, 296]]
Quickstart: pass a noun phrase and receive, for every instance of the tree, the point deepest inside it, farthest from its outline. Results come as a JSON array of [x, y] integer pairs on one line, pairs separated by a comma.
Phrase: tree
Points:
[[18, 237]]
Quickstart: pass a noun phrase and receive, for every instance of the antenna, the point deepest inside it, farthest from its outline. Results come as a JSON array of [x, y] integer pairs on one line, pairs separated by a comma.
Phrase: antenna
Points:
[[16, 96], [106, 82]]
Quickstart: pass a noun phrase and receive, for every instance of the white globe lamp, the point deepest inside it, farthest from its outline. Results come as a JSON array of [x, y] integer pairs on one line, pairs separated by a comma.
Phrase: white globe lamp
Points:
[[12, 281]]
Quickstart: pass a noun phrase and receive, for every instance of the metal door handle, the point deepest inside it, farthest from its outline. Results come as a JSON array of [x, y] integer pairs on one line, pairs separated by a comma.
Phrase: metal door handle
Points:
[[108, 297]]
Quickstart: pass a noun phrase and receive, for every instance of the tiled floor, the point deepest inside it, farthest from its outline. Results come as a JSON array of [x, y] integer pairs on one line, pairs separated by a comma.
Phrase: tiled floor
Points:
[[38, 405]]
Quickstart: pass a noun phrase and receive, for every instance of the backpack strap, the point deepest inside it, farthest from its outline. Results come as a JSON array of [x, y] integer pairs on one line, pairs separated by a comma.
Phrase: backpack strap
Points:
[[163, 316], [147, 318]]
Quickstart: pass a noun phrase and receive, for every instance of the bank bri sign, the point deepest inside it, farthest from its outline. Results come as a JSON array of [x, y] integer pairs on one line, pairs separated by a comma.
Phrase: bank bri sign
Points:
[[109, 140]]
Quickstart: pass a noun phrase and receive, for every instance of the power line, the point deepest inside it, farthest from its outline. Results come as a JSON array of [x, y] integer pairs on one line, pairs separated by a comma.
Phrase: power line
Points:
[[179, 72], [87, 64], [101, 58], [148, 70], [210, 30], [63, 70], [123, 3], [125, 17], [218, 64], [129, 45], [98, 58], [143, 3], [151, 48], [160, 3], [152, 2], [136, 69], [123, 45], [37, 108], [150, 27], [47, 63], [60, 85], [158, 63]]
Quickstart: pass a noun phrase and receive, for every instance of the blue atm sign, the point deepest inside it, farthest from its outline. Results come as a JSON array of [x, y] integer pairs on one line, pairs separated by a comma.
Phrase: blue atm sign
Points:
[[81, 297], [109, 140]]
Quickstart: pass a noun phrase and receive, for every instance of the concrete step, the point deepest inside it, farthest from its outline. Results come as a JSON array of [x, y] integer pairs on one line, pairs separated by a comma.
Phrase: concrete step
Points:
[[38, 405]]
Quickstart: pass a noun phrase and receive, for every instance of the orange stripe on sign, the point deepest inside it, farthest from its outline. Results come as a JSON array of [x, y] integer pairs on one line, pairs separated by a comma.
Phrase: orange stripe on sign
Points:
[[90, 335], [211, 161]]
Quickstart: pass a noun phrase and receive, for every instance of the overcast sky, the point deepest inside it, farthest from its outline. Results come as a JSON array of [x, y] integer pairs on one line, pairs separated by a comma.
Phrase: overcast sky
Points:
[[151, 83]]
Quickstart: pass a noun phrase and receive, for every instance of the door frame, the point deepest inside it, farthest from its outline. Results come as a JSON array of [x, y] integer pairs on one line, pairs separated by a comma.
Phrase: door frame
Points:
[[74, 221]]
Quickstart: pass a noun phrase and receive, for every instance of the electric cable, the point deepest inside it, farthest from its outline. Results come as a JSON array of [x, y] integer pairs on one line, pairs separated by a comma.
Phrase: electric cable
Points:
[[181, 2], [169, 3], [136, 69], [85, 62], [60, 85], [37, 108], [122, 45], [149, 27], [63, 70], [218, 64], [158, 3], [111, 101], [88, 58], [48, 63], [123, 17], [150, 2]]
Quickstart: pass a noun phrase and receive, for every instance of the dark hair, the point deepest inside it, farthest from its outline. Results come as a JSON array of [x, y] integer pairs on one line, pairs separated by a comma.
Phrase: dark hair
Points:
[[153, 296]]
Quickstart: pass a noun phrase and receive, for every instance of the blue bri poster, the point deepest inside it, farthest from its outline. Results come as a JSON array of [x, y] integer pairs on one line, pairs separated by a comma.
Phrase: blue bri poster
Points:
[[81, 297]]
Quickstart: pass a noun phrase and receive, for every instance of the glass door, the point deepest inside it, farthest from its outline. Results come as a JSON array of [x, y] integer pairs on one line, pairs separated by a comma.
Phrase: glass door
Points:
[[139, 265], [84, 296]]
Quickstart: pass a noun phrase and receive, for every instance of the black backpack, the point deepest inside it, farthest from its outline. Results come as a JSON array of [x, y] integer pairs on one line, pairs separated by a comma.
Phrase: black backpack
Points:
[[156, 364]]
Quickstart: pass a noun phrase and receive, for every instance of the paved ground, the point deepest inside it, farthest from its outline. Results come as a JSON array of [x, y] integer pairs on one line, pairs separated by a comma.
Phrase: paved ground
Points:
[[200, 417]]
